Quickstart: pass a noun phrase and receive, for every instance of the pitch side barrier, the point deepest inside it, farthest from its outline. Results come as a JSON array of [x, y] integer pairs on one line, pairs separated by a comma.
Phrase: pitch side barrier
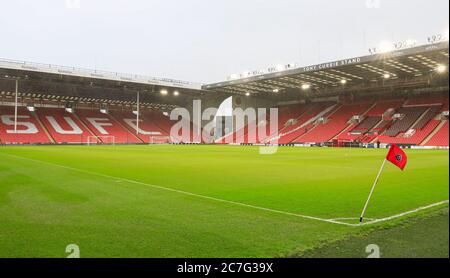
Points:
[[306, 145]]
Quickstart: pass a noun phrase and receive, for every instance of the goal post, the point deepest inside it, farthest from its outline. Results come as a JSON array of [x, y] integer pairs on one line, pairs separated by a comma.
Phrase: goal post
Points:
[[101, 140], [160, 140]]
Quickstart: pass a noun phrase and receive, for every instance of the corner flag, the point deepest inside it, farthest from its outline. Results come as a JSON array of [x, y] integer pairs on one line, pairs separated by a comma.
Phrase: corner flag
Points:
[[397, 157]]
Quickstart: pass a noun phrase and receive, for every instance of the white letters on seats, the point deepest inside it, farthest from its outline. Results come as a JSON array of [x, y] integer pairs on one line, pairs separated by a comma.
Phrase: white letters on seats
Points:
[[132, 123], [30, 127], [99, 123], [75, 129]]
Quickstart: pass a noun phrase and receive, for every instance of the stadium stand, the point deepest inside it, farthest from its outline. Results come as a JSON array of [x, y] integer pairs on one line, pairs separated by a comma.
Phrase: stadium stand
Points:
[[428, 100], [290, 113], [430, 114], [440, 137], [62, 126], [305, 122], [159, 120], [409, 116], [415, 139], [104, 125], [381, 107], [261, 129], [420, 122], [335, 123], [147, 127], [29, 128]]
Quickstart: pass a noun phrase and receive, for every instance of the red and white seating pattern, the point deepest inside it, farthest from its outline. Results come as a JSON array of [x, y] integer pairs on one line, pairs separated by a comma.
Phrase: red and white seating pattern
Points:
[[335, 124], [440, 139], [305, 122], [146, 131], [62, 126], [29, 130], [297, 124], [56, 126], [104, 125]]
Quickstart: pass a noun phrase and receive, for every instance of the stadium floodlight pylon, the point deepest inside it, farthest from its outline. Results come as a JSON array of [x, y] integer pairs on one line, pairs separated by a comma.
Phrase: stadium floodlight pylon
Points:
[[159, 140], [102, 140]]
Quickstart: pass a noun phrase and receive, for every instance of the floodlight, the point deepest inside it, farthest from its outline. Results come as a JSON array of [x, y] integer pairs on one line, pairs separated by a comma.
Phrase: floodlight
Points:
[[441, 68], [276, 90], [343, 81], [306, 86], [385, 47], [31, 108], [247, 94], [386, 76], [164, 92], [176, 93]]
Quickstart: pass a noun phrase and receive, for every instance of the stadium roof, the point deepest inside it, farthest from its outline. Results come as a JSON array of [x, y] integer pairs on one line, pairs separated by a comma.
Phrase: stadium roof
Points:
[[61, 83], [407, 65], [407, 68], [96, 74]]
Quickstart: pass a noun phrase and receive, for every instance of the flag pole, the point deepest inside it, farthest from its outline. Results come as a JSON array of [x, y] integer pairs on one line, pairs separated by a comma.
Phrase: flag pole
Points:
[[371, 191]]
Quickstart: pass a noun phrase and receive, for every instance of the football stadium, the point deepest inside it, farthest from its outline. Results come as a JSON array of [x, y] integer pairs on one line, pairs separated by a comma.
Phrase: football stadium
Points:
[[275, 163]]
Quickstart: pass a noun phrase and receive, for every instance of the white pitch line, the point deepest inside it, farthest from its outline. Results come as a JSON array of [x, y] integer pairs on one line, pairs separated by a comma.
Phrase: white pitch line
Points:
[[332, 221], [180, 191], [351, 218], [405, 213]]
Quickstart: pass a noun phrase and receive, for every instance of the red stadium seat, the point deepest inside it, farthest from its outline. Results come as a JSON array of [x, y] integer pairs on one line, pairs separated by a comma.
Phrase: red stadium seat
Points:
[[336, 123], [62, 126], [29, 129], [103, 125], [148, 128], [440, 139]]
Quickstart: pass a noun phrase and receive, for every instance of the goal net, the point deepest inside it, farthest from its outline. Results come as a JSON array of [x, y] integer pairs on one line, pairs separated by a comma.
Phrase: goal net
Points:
[[158, 140], [101, 140]]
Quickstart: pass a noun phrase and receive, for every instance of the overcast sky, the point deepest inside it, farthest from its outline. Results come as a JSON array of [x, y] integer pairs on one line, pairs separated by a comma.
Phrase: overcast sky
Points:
[[207, 40]]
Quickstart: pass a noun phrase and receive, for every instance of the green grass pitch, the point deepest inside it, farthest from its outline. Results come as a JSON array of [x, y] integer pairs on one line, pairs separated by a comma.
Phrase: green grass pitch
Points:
[[204, 201]]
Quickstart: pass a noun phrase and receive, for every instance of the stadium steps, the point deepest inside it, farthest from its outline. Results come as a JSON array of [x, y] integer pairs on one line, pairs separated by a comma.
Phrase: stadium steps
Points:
[[370, 109], [285, 129], [376, 126], [85, 125], [432, 134], [420, 118], [325, 113], [298, 119], [346, 129], [412, 114], [304, 126], [44, 128], [162, 122], [126, 129], [350, 127], [160, 126]]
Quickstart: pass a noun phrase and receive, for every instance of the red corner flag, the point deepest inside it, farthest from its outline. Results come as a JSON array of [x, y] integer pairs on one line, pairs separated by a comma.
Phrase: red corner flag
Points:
[[397, 157]]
